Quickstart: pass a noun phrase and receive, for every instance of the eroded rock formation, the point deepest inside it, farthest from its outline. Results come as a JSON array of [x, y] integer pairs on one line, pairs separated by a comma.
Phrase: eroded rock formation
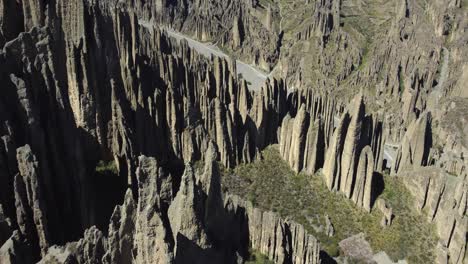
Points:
[[88, 81], [186, 228], [349, 161], [444, 197], [416, 144]]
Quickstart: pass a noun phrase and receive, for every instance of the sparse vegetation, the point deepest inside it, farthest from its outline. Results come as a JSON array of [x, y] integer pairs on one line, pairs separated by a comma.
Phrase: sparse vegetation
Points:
[[258, 258], [270, 184], [106, 166]]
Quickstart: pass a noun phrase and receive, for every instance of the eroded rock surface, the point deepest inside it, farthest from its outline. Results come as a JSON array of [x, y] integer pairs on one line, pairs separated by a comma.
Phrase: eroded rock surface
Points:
[[89, 82]]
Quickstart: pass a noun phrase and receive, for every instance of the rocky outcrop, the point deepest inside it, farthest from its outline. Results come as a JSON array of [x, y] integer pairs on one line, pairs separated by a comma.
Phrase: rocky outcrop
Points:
[[357, 248], [349, 163], [329, 229], [326, 17], [444, 197], [30, 204], [152, 238], [386, 211], [121, 232], [241, 21], [89, 249], [199, 226], [304, 138], [281, 240], [362, 194], [186, 214], [293, 139], [352, 146], [89, 81], [416, 144], [113, 90], [331, 167], [16, 249], [5, 226], [450, 143]]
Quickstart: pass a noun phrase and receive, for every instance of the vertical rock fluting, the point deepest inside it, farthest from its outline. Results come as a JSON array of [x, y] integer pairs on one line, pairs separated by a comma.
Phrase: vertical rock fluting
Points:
[[350, 160], [304, 139], [444, 198], [121, 232], [94, 84], [187, 217], [352, 146], [283, 241], [416, 144], [30, 204], [332, 165], [302, 142], [185, 232], [204, 19], [151, 239], [293, 139], [112, 90], [314, 148], [362, 194], [326, 18]]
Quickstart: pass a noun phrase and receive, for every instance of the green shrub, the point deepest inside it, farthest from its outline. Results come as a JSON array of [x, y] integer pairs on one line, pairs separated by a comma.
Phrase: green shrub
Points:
[[258, 258], [107, 167], [306, 199]]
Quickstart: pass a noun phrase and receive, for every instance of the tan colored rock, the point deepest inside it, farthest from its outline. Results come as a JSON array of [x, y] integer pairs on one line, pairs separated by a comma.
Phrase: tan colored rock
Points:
[[293, 139], [314, 148], [386, 211], [357, 248], [332, 165], [298, 138], [151, 234], [186, 213], [121, 232], [417, 141], [351, 147], [236, 34], [281, 240], [362, 191], [441, 195]]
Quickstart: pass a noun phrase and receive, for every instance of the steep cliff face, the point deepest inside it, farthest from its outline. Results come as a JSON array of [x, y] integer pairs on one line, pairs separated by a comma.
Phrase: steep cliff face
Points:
[[248, 28], [416, 144], [444, 197], [187, 227], [354, 150], [86, 81], [93, 84]]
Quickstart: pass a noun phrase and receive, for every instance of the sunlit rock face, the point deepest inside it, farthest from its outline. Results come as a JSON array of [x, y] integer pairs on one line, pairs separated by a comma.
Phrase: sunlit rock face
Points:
[[105, 118]]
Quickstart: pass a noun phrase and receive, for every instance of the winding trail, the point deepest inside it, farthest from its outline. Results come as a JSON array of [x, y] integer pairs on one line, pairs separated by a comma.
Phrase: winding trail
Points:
[[254, 77]]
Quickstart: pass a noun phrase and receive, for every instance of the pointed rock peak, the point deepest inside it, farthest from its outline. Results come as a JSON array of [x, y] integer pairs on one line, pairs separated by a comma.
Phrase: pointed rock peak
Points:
[[188, 180], [356, 107], [211, 171], [187, 210], [24, 155], [147, 167], [211, 153], [302, 110], [128, 199]]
